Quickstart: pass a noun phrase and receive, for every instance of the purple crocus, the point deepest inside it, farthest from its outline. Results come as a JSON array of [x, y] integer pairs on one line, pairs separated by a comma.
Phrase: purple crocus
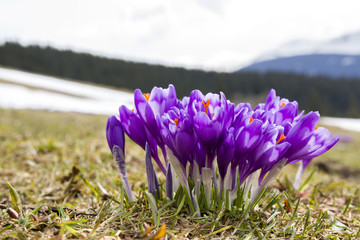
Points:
[[250, 144], [178, 134], [211, 115], [307, 140], [116, 141], [135, 129], [151, 106], [115, 133]]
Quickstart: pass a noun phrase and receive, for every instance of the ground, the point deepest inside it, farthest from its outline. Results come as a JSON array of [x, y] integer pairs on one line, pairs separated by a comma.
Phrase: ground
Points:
[[68, 187]]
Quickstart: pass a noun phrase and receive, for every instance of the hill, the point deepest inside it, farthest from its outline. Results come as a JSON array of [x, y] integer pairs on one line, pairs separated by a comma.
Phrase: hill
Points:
[[338, 57], [333, 65], [331, 97]]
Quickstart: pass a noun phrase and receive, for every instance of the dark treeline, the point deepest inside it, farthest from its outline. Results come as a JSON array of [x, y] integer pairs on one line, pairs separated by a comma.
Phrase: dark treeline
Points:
[[333, 97]]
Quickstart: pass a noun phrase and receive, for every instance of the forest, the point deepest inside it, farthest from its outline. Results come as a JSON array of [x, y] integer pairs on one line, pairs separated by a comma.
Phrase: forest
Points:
[[332, 97]]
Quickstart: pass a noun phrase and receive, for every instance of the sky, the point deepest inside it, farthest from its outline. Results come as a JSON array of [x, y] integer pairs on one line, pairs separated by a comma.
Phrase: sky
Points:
[[220, 35]]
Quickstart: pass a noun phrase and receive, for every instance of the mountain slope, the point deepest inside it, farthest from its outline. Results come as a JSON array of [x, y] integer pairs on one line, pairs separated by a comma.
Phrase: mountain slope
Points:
[[334, 65], [338, 57]]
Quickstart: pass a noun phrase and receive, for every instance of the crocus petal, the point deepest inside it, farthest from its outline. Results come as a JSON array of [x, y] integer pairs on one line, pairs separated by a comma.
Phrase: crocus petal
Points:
[[135, 129], [146, 113], [200, 155], [249, 137], [286, 114], [301, 133], [225, 153], [161, 100], [205, 128], [115, 133], [272, 101]]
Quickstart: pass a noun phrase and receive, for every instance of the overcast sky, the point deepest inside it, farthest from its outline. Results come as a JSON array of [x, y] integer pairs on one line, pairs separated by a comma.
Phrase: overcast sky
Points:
[[207, 34]]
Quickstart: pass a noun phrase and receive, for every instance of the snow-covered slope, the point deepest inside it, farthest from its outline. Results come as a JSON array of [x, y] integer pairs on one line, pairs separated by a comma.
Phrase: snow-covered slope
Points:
[[19, 89]]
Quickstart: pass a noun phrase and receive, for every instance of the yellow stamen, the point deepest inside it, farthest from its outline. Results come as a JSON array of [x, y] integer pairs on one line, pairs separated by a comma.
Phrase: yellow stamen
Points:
[[251, 119], [177, 122], [282, 137], [206, 105], [283, 104], [147, 96]]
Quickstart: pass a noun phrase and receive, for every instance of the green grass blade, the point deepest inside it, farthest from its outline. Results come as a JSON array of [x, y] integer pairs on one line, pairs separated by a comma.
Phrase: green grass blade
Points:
[[307, 180], [15, 199], [152, 203]]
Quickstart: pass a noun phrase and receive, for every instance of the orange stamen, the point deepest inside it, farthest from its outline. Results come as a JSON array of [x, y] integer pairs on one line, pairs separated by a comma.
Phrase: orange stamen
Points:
[[132, 110], [206, 105], [282, 137], [177, 122], [316, 127], [147, 96], [213, 115], [283, 104], [251, 119]]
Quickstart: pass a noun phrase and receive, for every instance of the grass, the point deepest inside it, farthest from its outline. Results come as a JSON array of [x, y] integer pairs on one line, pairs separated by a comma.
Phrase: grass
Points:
[[61, 168]]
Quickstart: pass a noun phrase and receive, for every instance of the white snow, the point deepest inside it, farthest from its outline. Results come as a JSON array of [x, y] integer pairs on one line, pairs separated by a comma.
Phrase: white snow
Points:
[[49, 93], [352, 124]]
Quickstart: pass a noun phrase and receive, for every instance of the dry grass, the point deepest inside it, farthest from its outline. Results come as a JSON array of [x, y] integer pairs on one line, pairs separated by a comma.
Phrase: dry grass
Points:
[[60, 162]]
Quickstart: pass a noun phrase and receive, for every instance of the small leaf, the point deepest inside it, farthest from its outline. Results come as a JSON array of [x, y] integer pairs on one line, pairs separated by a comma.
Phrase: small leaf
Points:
[[15, 199]]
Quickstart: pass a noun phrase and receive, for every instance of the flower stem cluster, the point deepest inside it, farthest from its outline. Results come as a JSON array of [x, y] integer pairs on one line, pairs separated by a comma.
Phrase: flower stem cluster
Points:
[[212, 148]]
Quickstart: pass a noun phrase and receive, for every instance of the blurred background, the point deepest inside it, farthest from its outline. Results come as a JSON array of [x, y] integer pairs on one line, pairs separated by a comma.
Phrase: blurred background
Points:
[[308, 51]]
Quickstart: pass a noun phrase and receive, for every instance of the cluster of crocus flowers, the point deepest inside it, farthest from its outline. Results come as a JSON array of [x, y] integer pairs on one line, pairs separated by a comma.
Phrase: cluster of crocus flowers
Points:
[[213, 148]]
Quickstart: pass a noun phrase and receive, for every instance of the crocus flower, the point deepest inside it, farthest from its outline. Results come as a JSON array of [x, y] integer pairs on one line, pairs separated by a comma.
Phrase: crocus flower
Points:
[[251, 145], [307, 140], [116, 141], [178, 134], [211, 115], [135, 129], [115, 133], [152, 106]]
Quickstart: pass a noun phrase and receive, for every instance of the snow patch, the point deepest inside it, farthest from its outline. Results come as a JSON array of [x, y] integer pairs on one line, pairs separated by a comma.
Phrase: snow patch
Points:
[[352, 124], [50, 93]]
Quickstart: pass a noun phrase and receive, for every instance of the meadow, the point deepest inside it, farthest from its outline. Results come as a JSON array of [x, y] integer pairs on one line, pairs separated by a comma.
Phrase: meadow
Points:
[[57, 171]]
